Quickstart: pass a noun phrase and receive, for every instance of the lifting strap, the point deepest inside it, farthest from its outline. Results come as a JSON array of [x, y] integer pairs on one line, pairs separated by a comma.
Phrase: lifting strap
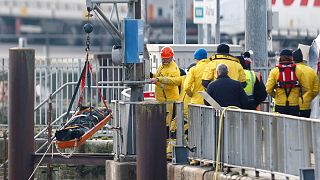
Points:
[[99, 91], [75, 91]]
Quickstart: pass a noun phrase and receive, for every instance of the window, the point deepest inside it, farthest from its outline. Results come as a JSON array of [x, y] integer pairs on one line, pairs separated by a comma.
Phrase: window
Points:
[[38, 4], [48, 5], [160, 13], [67, 6]]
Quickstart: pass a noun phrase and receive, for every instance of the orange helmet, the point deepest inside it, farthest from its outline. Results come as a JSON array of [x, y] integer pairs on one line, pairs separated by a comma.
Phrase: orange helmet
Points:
[[166, 52]]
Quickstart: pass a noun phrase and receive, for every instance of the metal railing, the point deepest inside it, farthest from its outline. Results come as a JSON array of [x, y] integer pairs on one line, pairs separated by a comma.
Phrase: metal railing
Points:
[[269, 142], [58, 77], [124, 142], [60, 74]]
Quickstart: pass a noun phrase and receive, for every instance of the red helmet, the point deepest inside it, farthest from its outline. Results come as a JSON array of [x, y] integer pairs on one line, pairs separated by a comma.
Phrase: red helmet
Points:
[[166, 52]]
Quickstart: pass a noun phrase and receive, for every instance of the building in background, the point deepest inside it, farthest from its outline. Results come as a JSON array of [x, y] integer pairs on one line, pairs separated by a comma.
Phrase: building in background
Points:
[[64, 20]]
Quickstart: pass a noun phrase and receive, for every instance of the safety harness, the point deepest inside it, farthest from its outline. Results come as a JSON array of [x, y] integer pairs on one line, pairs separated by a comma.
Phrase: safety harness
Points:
[[287, 79]]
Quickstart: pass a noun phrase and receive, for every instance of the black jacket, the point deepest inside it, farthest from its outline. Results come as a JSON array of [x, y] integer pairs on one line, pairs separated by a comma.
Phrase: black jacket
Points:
[[227, 92], [259, 94]]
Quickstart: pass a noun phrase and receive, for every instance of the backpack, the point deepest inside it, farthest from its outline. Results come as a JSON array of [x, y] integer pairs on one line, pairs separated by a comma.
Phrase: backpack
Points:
[[287, 79]]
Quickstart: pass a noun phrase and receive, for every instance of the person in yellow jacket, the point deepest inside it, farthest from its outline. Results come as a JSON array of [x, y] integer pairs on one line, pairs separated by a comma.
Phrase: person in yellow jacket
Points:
[[176, 81], [286, 100], [255, 89], [166, 93], [236, 71], [312, 80], [193, 82]]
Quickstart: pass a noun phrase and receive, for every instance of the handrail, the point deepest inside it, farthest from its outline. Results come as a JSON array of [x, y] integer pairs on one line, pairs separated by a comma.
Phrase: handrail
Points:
[[53, 94], [43, 130], [61, 116], [73, 83], [265, 113], [247, 132]]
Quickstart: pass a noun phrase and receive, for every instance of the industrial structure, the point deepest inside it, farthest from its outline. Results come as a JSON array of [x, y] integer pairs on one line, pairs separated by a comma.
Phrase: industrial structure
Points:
[[293, 21]]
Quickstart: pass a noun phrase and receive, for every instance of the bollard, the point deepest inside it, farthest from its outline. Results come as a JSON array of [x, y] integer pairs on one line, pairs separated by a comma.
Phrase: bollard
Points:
[[257, 174], [21, 112], [151, 141]]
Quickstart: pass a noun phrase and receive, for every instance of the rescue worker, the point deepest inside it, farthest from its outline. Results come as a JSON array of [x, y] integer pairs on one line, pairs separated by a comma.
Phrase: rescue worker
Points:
[[255, 89], [236, 71], [193, 81], [312, 80], [166, 93], [175, 81], [226, 91], [178, 81], [286, 99]]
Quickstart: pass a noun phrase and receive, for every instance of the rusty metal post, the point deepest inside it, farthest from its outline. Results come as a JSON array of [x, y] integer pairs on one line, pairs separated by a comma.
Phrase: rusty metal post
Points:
[[151, 141], [49, 167], [180, 123], [5, 165], [21, 112]]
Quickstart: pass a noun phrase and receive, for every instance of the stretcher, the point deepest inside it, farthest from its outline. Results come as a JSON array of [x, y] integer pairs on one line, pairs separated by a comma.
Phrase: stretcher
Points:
[[83, 124], [79, 141]]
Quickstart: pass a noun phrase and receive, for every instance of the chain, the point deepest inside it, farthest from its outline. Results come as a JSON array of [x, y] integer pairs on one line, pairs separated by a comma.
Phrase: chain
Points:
[[88, 36], [88, 45]]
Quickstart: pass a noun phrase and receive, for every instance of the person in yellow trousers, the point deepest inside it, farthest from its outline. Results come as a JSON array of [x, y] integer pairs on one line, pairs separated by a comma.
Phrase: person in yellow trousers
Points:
[[236, 72], [193, 81], [166, 93], [312, 80], [178, 81]]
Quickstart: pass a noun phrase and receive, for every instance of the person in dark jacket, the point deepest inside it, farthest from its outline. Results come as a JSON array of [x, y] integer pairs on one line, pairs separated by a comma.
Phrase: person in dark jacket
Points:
[[225, 91], [255, 89]]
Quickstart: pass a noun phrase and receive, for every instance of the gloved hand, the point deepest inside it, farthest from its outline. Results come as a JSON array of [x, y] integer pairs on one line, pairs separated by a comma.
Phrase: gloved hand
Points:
[[153, 80]]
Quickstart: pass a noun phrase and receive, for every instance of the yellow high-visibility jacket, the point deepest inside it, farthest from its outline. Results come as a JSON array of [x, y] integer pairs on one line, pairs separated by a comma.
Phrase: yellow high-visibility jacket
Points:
[[251, 80], [279, 94], [193, 81], [312, 80], [166, 92], [178, 81], [236, 71]]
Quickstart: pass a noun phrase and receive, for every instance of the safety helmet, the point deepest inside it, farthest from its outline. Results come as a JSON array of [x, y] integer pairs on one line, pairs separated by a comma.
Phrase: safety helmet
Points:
[[166, 52], [200, 54]]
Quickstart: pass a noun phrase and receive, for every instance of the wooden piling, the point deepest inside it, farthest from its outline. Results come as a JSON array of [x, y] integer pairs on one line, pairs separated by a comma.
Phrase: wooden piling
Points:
[[21, 112], [151, 141]]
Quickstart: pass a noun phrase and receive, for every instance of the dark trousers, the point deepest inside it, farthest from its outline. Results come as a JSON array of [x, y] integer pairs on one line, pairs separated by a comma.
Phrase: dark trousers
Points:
[[289, 110], [305, 113]]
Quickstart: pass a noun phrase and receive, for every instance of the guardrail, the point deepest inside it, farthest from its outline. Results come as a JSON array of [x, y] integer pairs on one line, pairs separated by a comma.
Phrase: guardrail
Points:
[[124, 122], [268, 142], [124, 136]]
